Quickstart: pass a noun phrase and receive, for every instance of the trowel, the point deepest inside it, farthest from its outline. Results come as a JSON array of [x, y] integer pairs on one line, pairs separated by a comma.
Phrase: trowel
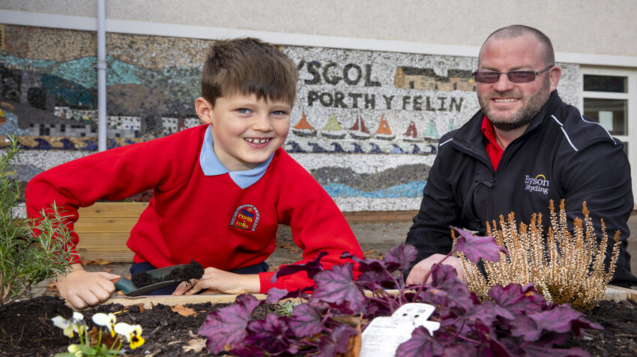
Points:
[[129, 289]]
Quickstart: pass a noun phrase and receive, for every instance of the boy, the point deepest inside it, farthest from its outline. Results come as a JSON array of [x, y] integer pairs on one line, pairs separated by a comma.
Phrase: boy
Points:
[[220, 190]]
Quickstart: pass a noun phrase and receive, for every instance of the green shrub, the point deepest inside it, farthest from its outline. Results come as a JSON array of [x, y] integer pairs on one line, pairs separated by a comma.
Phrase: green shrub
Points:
[[30, 251]]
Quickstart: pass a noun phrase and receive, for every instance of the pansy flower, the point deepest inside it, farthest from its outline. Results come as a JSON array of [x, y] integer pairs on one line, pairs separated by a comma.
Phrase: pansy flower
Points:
[[75, 350], [133, 334], [74, 324], [106, 321]]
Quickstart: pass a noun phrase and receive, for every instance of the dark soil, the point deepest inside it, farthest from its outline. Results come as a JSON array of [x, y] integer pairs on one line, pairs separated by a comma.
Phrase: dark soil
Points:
[[619, 336], [187, 272], [26, 328]]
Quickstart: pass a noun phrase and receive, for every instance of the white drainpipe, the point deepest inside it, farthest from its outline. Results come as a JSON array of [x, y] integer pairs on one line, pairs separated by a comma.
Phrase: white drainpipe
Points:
[[101, 75]]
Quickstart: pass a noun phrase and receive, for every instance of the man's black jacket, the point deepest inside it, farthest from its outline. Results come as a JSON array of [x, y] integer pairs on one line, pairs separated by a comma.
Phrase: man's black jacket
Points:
[[561, 155]]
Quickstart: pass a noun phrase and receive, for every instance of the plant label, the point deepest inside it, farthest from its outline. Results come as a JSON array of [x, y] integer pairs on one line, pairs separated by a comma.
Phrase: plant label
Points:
[[383, 335]]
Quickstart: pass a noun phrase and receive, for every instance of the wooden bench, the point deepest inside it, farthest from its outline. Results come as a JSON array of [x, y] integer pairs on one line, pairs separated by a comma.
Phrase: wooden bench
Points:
[[104, 229]]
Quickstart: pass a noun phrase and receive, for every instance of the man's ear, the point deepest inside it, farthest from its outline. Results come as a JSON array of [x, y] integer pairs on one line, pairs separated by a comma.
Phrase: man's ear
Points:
[[554, 77], [204, 110]]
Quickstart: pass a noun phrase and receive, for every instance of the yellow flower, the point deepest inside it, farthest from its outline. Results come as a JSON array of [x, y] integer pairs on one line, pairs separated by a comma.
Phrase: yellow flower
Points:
[[75, 349], [133, 334], [74, 324], [106, 321]]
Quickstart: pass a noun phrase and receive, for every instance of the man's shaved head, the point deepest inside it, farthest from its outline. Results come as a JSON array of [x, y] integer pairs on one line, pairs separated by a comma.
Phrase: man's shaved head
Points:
[[514, 31]]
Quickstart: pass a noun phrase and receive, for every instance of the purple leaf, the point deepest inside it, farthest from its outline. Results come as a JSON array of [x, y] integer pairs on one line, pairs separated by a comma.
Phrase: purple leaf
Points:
[[490, 346], [561, 319], [583, 323], [337, 285], [487, 312], [373, 267], [402, 255], [336, 342], [517, 299], [525, 327], [242, 350], [342, 308], [312, 268], [459, 349], [227, 325], [554, 338], [444, 277], [275, 294], [374, 272], [546, 328], [271, 333], [421, 344], [376, 280], [476, 248], [436, 297], [306, 320]]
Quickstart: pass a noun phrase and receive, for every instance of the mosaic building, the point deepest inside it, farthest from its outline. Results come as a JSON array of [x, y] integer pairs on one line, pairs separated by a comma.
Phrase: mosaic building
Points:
[[366, 123]]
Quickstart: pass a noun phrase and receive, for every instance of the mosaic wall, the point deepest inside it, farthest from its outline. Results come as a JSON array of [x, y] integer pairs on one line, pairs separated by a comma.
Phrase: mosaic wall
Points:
[[366, 124]]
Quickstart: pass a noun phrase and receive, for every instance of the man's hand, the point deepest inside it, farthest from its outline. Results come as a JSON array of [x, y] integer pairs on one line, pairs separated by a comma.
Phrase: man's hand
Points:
[[423, 268], [221, 282], [82, 288]]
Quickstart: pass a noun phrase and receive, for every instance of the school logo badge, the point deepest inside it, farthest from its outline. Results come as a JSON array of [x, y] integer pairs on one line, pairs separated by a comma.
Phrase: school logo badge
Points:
[[245, 217], [538, 183]]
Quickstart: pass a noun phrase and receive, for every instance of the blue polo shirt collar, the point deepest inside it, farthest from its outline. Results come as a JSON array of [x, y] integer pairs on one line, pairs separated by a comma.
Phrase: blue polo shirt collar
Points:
[[211, 165]]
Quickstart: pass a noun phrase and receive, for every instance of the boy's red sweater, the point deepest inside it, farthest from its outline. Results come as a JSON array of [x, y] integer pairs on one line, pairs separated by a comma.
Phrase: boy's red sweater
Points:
[[206, 218]]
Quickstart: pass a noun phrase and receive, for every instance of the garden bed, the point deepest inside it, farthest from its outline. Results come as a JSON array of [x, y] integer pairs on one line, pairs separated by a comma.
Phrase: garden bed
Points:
[[26, 328]]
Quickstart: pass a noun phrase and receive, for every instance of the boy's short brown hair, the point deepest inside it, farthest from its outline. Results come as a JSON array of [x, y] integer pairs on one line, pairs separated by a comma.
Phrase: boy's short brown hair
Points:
[[248, 66]]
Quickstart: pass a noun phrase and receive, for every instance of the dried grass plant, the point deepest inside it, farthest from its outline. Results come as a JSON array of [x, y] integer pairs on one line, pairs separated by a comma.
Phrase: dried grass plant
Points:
[[566, 267]]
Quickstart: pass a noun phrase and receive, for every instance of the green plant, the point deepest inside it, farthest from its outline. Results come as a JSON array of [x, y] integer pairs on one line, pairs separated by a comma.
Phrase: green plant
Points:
[[30, 250], [93, 343]]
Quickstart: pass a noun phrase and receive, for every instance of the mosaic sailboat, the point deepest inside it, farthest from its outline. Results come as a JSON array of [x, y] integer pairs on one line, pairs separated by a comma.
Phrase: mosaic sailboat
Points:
[[333, 129], [411, 134], [452, 127], [359, 130], [384, 132], [303, 128], [431, 132]]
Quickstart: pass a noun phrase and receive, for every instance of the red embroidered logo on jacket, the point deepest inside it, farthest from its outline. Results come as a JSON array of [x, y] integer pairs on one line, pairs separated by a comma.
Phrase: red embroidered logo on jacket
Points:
[[245, 217]]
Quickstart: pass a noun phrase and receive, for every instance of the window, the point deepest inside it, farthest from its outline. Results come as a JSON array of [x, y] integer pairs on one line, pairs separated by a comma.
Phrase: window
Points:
[[609, 97]]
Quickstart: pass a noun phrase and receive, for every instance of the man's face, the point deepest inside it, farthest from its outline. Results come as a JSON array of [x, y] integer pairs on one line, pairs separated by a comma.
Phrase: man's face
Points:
[[246, 131], [510, 105]]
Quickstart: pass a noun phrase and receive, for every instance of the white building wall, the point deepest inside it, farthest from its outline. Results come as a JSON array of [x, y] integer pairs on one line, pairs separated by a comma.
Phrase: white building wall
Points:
[[575, 26]]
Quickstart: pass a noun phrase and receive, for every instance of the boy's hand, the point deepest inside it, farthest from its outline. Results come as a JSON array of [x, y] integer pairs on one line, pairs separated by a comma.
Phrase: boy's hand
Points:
[[221, 282], [420, 270], [82, 288]]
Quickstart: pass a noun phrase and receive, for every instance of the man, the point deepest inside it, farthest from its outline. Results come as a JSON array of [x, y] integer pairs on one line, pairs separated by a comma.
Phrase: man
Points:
[[522, 149]]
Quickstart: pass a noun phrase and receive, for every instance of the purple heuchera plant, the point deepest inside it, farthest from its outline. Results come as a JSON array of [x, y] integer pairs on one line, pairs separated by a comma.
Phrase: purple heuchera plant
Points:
[[516, 322]]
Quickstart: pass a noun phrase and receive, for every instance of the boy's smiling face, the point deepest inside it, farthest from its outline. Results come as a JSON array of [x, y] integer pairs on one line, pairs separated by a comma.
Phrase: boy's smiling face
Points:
[[246, 131]]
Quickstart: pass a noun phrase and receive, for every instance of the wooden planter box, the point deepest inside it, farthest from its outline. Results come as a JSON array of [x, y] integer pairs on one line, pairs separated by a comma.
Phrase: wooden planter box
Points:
[[614, 293], [104, 229]]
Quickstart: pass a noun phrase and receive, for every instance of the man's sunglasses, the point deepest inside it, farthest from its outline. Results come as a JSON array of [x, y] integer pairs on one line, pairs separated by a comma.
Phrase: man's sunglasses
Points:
[[514, 76]]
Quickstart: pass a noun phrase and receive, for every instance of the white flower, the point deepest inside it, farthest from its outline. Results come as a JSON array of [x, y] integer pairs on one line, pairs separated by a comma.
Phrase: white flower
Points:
[[133, 334], [106, 321], [74, 324]]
